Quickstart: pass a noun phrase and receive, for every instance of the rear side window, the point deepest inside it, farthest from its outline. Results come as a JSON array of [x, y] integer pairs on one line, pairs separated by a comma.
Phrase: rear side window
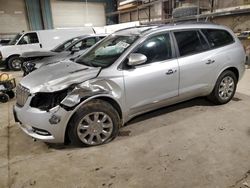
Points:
[[218, 38], [190, 42], [157, 48]]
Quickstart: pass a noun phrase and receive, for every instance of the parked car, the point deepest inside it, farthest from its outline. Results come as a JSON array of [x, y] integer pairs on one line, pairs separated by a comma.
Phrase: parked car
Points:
[[244, 35], [34, 41], [130, 72], [4, 42], [68, 49]]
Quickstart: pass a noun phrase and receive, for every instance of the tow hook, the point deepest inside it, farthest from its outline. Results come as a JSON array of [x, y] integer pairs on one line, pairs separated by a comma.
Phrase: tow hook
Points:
[[34, 140]]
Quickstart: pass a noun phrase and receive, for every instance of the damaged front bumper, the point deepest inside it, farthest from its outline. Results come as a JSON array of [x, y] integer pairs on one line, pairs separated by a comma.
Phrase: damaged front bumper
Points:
[[48, 126]]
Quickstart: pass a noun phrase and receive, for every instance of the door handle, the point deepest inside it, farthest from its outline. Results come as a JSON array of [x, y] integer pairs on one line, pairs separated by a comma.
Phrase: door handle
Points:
[[40, 45], [170, 71], [210, 62]]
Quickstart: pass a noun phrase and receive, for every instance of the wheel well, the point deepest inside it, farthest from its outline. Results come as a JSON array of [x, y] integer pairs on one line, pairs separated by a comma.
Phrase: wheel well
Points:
[[109, 100], [113, 103], [235, 71], [14, 55]]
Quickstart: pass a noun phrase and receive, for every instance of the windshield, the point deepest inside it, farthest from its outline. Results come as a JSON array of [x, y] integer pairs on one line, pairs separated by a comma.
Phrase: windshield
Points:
[[107, 51], [61, 47], [15, 39]]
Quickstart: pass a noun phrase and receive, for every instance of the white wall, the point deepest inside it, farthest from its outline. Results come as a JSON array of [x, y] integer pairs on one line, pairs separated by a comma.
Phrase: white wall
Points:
[[73, 13], [12, 16]]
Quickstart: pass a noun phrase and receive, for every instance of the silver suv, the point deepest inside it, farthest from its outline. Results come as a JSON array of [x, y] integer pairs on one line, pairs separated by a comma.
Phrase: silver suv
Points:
[[130, 72]]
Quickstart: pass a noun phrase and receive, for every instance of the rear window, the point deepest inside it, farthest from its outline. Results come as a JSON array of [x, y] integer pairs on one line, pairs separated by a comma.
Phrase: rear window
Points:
[[218, 38], [190, 42]]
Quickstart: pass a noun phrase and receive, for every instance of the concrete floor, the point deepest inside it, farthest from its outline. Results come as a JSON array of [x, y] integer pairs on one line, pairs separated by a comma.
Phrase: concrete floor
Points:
[[193, 145]]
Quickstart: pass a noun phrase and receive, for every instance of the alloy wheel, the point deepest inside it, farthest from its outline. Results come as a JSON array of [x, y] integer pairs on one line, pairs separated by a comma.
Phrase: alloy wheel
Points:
[[16, 64], [226, 88], [95, 128]]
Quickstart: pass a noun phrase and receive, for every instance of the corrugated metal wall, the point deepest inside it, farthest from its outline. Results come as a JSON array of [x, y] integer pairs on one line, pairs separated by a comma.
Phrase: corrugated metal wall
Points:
[[34, 14], [19, 15], [39, 14]]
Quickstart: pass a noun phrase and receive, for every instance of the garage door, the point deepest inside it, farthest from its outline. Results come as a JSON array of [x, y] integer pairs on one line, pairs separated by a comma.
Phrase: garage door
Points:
[[12, 16], [73, 13]]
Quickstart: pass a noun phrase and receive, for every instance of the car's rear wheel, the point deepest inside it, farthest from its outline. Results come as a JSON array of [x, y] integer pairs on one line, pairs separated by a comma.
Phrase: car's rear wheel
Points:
[[15, 63], [224, 89], [95, 123]]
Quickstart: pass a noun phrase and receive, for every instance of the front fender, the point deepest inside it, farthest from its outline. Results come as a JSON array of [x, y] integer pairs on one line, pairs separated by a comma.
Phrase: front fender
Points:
[[8, 51], [90, 89]]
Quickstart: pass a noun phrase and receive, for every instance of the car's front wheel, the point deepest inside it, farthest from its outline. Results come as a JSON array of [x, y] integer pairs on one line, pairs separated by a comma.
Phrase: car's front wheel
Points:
[[95, 123], [15, 63], [224, 89]]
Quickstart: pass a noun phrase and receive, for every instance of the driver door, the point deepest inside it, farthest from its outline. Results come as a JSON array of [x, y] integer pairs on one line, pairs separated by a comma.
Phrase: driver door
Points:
[[29, 42], [149, 85]]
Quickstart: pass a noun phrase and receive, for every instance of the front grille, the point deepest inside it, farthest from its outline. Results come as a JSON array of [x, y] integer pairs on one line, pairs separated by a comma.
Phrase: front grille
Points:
[[22, 95]]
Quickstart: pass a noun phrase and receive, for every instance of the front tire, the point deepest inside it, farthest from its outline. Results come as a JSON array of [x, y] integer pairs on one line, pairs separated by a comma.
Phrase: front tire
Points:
[[15, 63], [4, 98], [224, 89], [11, 94], [94, 123]]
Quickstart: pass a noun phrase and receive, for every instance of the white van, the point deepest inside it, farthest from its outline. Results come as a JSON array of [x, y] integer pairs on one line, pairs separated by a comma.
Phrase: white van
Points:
[[36, 41]]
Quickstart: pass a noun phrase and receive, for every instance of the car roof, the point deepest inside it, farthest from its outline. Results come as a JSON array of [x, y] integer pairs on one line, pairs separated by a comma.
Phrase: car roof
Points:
[[79, 38], [146, 29], [90, 35]]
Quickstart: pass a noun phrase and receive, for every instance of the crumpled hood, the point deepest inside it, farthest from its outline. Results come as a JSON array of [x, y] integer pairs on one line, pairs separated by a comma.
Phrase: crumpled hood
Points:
[[52, 59], [38, 54], [58, 76]]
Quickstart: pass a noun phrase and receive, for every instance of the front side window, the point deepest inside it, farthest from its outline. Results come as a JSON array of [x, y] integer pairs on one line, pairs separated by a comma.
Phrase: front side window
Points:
[[190, 42], [107, 51], [15, 39], [64, 45], [218, 38], [101, 37], [86, 43], [157, 48], [29, 38]]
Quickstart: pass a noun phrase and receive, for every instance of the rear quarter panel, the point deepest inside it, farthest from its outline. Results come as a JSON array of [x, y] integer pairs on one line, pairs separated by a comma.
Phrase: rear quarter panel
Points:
[[232, 55]]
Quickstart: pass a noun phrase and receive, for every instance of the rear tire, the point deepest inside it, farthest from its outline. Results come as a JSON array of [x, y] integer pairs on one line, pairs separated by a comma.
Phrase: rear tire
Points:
[[224, 89], [94, 123], [15, 63]]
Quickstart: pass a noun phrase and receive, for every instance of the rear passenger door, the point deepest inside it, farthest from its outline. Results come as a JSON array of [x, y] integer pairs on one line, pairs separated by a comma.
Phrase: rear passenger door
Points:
[[196, 62]]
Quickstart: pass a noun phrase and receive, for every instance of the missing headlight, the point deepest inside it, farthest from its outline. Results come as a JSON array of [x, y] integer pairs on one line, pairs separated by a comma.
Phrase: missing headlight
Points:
[[46, 101]]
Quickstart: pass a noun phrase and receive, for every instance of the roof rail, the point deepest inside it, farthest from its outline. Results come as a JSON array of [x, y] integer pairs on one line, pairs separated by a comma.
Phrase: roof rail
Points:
[[133, 27], [191, 22]]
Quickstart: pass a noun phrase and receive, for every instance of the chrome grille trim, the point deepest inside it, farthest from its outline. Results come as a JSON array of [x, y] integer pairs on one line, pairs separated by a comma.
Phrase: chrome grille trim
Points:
[[22, 95]]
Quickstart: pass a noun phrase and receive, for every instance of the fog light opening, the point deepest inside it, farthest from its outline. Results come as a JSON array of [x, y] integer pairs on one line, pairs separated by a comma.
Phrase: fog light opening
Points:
[[54, 119]]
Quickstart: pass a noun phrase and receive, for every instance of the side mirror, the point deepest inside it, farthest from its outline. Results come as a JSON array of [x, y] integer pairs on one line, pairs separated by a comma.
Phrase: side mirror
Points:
[[136, 59], [74, 49]]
